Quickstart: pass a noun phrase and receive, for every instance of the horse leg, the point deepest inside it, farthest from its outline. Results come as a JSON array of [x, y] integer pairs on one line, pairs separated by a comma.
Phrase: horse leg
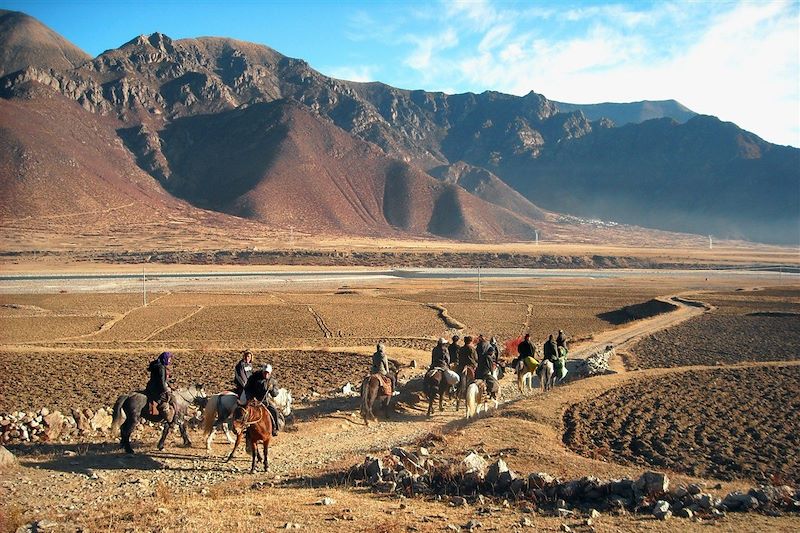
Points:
[[126, 431], [235, 445], [210, 439], [254, 455], [442, 390], [164, 433], [387, 413], [185, 434], [266, 456]]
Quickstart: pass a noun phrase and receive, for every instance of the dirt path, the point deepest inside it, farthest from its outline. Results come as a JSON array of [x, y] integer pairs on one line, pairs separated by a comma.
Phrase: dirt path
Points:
[[625, 337]]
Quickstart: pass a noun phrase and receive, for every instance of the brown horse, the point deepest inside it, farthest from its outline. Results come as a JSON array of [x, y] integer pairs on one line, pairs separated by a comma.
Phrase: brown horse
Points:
[[254, 421], [372, 391], [435, 383]]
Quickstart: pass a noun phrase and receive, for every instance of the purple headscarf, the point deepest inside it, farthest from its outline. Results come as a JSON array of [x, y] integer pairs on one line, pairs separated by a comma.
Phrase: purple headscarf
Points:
[[165, 358]]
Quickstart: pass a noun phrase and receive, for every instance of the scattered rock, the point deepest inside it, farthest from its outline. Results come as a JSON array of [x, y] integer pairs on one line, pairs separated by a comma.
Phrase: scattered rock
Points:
[[472, 524], [651, 484], [594, 514], [684, 513], [661, 510], [6, 457], [325, 501], [525, 522], [458, 501], [565, 528], [101, 420]]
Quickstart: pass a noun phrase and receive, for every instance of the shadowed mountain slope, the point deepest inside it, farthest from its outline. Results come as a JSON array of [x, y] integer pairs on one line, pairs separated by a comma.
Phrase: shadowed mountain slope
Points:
[[280, 164]]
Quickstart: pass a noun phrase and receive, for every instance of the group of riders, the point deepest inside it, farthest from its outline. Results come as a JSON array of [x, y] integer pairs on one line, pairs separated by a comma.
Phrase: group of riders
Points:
[[478, 354], [249, 385]]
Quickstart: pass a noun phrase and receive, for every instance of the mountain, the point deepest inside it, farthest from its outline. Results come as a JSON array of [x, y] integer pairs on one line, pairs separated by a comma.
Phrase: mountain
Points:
[[631, 113], [241, 129], [283, 165], [26, 42]]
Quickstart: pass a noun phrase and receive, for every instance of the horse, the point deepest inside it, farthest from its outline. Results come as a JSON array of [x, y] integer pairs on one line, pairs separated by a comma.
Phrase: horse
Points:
[[133, 406], [477, 396], [435, 383], [524, 376], [547, 374], [254, 421], [372, 391], [467, 377], [220, 408]]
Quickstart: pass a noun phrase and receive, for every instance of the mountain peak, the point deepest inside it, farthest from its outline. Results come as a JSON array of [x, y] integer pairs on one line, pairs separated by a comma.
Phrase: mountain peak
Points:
[[26, 42]]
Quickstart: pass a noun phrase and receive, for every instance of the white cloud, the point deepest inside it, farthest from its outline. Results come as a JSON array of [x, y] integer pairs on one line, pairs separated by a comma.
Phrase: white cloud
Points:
[[360, 73], [422, 56]]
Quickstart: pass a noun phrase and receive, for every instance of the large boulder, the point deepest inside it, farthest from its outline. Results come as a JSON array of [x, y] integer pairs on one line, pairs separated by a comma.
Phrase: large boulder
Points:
[[54, 425], [6, 458], [372, 466], [738, 501], [651, 484], [500, 476], [101, 420], [540, 480], [81, 421]]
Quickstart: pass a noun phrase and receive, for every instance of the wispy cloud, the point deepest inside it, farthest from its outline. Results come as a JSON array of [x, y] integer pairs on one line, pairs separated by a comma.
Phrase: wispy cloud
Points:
[[738, 61], [361, 73]]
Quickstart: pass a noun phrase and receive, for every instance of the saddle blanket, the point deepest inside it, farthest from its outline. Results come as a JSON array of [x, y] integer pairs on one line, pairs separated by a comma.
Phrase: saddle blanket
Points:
[[450, 377], [530, 364], [386, 384]]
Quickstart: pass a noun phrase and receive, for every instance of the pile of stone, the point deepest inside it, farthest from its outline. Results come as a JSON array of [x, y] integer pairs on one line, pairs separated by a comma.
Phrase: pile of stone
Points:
[[596, 364], [473, 478], [52, 426]]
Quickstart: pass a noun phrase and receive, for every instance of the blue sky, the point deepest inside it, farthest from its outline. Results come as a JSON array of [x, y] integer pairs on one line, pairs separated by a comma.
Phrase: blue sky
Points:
[[738, 60]]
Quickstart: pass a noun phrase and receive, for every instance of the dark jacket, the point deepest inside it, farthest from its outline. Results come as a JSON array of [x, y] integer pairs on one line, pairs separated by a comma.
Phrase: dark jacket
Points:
[[440, 357], [452, 350], [525, 349], [242, 373], [550, 350], [561, 340], [258, 387], [481, 347], [467, 356], [157, 384], [485, 365]]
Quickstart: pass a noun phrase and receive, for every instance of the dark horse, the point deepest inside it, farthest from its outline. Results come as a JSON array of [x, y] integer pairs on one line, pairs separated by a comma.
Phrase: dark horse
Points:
[[435, 383], [372, 391], [134, 407], [254, 421]]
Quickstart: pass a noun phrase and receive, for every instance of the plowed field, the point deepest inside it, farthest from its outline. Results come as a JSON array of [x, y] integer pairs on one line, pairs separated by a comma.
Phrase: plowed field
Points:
[[44, 328], [245, 323], [65, 380], [723, 423]]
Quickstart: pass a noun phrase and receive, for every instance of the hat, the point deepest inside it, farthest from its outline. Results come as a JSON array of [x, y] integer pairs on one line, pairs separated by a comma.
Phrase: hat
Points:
[[441, 340], [267, 368], [165, 358]]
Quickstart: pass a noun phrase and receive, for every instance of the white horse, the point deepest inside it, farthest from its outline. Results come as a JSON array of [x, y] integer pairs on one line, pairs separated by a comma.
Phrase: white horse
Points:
[[547, 375], [525, 378], [478, 397], [220, 408]]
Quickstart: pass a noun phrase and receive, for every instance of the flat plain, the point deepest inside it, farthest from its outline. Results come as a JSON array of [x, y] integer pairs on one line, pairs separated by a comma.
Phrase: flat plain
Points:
[[319, 336]]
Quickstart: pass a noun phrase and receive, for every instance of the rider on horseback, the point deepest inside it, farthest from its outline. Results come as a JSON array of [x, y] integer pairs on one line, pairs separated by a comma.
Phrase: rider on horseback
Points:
[[550, 349], [258, 385], [440, 356], [561, 341], [158, 393], [244, 368], [467, 355], [380, 365], [452, 349], [486, 364]]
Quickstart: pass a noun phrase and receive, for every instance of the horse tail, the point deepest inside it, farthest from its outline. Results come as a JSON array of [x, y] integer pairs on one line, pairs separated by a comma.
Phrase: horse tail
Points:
[[117, 419], [210, 414], [472, 400], [365, 400]]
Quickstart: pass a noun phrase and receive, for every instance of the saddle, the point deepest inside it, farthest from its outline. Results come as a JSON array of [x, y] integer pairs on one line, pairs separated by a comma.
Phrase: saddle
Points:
[[386, 384]]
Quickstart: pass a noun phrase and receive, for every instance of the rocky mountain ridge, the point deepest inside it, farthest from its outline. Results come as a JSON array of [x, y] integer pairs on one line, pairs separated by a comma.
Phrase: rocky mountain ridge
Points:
[[531, 149]]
